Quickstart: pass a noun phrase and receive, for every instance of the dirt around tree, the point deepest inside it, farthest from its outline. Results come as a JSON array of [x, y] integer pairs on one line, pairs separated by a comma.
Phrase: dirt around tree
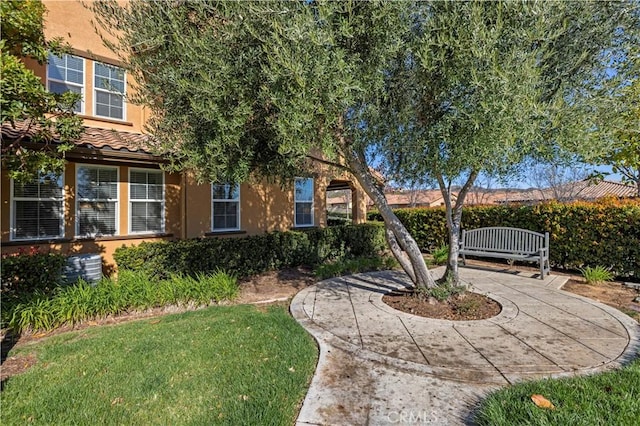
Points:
[[465, 306]]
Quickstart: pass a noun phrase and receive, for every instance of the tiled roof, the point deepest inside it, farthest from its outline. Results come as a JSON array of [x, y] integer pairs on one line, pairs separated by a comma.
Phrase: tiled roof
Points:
[[91, 137], [606, 188], [582, 190]]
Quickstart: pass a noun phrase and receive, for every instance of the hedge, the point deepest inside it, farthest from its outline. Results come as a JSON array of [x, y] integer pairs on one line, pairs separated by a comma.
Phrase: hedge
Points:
[[30, 271], [603, 233], [254, 254]]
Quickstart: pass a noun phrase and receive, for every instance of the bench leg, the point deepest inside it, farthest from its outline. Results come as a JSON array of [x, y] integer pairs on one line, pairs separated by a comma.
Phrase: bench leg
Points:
[[464, 260]]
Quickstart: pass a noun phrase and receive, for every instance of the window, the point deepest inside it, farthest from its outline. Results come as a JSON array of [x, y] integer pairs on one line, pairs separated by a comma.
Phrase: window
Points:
[[304, 202], [38, 208], [66, 74], [146, 199], [109, 85], [225, 207], [97, 200]]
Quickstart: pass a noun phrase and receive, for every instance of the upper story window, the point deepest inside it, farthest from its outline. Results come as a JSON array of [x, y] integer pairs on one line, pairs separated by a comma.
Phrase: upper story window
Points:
[[225, 207], [109, 87], [146, 198], [66, 74], [37, 208], [303, 202], [97, 201]]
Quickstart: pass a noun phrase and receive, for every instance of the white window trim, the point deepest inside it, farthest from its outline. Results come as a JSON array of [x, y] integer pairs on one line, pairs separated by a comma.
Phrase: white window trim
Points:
[[131, 201], [213, 200], [96, 89], [12, 215], [79, 200], [82, 87], [295, 202]]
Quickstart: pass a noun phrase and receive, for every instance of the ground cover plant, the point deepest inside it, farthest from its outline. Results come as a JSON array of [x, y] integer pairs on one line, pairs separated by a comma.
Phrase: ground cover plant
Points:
[[597, 274], [129, 291], [220, 365], [610, 398]]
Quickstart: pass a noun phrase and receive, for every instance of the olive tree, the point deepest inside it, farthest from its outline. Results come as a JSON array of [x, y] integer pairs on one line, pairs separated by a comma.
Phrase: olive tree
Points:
[[266, 89], [485, 87]]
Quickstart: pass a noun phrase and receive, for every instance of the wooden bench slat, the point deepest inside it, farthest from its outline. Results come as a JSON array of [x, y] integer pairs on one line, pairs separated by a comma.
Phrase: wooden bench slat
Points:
[[507, 243]]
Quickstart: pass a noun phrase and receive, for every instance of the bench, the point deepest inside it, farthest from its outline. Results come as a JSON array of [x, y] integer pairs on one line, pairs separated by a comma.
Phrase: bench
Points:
[[507, 243]]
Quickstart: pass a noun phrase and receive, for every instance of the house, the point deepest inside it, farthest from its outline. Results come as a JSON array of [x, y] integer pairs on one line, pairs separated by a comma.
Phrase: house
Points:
[[113, 191]]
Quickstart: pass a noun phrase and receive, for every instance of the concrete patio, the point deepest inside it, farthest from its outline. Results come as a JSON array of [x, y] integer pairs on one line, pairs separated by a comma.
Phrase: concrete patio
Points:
[[382, 366]]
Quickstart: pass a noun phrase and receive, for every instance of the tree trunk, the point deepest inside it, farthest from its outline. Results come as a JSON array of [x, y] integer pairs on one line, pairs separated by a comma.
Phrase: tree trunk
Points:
[[454, 224], [400, 241]]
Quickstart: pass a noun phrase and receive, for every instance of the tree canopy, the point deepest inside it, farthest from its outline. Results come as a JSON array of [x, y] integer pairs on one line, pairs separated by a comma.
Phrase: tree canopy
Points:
[[484, 86], [24, 99], [432, 89]]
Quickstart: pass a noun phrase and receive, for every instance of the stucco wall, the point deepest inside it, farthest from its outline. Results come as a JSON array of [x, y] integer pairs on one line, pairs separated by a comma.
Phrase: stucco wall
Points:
[[71, 21]]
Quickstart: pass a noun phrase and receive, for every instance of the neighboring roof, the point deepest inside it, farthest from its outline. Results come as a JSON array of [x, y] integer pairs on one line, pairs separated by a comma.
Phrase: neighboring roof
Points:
[[91, 137], [417, 198], [607, 188], [582, 190]]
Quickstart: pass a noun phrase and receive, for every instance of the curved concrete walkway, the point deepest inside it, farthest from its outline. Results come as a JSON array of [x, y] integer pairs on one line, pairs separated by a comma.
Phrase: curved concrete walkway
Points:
[[382, 366]]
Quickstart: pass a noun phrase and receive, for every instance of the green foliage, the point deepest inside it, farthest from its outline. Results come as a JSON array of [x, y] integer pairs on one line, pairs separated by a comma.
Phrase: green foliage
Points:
[[232, 365], [24, 98], [597, 274], [252, 255], [581, 234], [354, 266], [624, 154], [442, 292], [609, 398], [440, 255], [29, 272], [131, 291]]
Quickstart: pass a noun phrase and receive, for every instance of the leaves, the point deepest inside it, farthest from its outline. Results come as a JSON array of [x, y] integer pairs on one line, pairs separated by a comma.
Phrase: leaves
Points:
[[542, 402], [23, 97]]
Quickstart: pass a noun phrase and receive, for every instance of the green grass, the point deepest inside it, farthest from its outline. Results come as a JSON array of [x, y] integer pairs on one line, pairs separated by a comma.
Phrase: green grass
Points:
[[354, 266], [611, 398], [131, 291], [220, 365]]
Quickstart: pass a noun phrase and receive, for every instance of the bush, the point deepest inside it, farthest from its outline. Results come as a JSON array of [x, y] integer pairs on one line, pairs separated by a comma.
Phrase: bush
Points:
[[31, 272], [582, 233], [29, 275], [440, 255], [596, 275], [252, 255], [131, 291], [354, 266]]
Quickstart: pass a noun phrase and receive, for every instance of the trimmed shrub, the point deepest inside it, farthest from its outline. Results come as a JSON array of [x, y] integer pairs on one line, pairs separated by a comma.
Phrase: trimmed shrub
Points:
[[252, 255], [31, 271], [582, 233], [354, 266]]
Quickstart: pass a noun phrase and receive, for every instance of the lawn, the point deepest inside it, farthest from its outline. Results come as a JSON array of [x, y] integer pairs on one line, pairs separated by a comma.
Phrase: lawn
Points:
[[221, 365], [611, 398]]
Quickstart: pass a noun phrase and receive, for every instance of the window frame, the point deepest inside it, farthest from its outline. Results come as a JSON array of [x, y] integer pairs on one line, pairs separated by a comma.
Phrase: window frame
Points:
[[78, 200], [12, 213], [312, 202], [84, 80], [96, 89], [147, 200], [238, 209]]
